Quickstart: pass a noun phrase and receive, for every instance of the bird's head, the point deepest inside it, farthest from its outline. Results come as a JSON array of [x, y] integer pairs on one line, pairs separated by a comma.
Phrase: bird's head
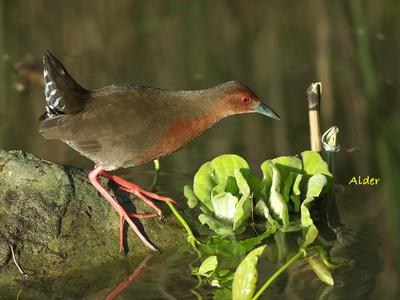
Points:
[[236, 98]]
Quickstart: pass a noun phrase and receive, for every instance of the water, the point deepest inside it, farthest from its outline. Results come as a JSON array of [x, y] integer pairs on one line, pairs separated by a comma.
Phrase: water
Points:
[[277, 48]]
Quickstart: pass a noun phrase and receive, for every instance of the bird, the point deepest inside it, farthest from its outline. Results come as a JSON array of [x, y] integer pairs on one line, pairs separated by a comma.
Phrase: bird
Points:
[[121, 126]]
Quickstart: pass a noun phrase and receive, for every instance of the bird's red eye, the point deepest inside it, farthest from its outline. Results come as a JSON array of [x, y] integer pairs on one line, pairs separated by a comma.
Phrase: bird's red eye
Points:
[[245, 99]]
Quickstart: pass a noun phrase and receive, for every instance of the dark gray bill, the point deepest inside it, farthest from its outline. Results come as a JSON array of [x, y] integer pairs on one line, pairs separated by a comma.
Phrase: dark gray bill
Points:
[[266, 111]]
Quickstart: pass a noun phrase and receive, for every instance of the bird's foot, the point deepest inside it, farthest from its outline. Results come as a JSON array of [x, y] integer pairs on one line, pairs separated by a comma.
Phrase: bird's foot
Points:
[[124, 216], [138, 192]]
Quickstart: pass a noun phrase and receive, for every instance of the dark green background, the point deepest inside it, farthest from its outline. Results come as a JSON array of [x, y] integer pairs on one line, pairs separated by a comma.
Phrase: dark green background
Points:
[[275, 47]]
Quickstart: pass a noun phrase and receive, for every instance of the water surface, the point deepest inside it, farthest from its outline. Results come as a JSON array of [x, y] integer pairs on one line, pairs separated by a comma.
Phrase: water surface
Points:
[[277, 48]]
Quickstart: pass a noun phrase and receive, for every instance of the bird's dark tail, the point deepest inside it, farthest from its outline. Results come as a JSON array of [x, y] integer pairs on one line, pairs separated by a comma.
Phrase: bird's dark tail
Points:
[[63, 94]]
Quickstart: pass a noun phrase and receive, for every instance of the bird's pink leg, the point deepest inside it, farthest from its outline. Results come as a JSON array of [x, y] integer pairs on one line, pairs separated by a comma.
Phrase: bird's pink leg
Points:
[[124, 216], [137, 191]]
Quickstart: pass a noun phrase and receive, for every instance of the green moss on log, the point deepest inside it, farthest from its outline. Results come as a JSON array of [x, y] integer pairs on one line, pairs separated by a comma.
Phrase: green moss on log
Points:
[[57, 222]]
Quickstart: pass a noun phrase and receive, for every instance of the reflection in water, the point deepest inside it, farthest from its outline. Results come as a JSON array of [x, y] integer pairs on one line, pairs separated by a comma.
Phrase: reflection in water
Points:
[[167, 276], [136, 274], [357, 278], [277, 48]]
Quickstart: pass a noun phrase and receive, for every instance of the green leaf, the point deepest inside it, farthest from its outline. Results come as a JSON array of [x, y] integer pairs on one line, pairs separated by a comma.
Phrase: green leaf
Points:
[[311, 235], [255, 184], [241, 183], [267, 169], [261, 209], [208, 266], [316, 185], [225, 165], [296, 192], [281, 244], [229, 185], [214, 173], [246, 275], [314, 188], [267, 173], [225, 207], [296, 203], [276, 202], [314, 164], [305, 212], [203, 184], [296, 185], [287, 185], [286, 166], [223, 247], [321, 270], [223, 294], [245, 205], [243, 211], [228, 248], [293, 226], [217, 226], [192, 200]]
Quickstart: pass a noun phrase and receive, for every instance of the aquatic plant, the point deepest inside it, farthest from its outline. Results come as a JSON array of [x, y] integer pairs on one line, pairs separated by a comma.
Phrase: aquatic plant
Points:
[[230, 196], [243, 210]]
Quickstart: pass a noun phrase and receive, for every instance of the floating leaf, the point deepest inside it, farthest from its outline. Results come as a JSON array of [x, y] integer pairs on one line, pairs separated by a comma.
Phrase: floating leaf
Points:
[[189, 194], [295, 196], [225, 206], [314, 189], [223, 194], [229, 185], [314, 164], [203, 184], [219, 227], [244, 206], [224, 247], [296, 203], [225, 165], [208, 266], [223, 294], [241, 183], [311, 235], [276, 202], [285, 165], [246, 275], [316, 185], [320, 270], [281, 244], [255, 184], [243, 211], [261, 209], [287, 185]]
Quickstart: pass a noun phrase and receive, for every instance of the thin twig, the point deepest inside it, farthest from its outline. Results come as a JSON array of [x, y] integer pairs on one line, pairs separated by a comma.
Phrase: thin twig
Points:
[[15, 262], [19, 293]]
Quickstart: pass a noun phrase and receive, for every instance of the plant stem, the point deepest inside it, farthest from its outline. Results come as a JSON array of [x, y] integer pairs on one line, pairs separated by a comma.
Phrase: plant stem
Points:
[[314, 100], [156, 175], [302, 253], [191, 238], [329, 141], [324, 257]]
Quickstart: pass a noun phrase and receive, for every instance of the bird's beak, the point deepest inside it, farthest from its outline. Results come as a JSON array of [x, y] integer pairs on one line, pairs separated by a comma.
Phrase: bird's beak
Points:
[[265, 110]]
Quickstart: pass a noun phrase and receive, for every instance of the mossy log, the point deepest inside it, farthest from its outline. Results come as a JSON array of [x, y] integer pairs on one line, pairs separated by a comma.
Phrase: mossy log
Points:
[[56, 221]]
